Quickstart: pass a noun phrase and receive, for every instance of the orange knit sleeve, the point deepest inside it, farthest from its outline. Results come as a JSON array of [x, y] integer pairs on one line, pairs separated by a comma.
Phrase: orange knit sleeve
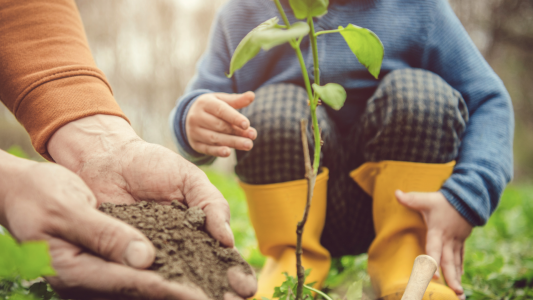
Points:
[[48, 77]]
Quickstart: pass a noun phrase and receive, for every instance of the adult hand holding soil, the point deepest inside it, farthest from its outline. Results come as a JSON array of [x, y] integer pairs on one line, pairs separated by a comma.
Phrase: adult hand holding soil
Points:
[[447, 232], [121, 168], [214, 125], [44, 201]]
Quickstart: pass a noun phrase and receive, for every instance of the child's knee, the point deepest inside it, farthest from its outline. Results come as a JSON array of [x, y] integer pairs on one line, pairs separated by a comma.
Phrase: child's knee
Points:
[[417, 113]]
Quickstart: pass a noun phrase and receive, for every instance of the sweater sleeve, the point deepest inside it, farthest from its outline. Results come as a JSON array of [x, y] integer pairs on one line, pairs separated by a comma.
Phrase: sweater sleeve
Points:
[[209, 77], [47, 74], [485, 161]]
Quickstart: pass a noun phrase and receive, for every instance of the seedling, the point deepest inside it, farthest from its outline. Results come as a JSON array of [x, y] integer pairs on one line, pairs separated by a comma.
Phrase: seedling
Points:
[[364, 44], [20, 263]]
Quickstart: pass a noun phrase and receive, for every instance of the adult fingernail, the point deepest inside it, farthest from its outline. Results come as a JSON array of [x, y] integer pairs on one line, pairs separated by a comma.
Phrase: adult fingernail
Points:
[[230, 232], [244, 283], [244, 125], [139, 255], [251, 135]]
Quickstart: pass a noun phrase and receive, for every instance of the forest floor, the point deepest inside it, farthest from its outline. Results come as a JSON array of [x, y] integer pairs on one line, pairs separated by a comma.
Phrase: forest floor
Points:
[[498, 256]]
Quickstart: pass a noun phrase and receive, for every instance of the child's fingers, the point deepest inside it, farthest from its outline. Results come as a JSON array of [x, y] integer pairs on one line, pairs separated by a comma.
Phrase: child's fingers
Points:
[[434, 246], [219, 151], [213, 138], [458, 260], [462, 258], [224, 111], [415, 200], [448, 268], [237, 101], [213, 123]]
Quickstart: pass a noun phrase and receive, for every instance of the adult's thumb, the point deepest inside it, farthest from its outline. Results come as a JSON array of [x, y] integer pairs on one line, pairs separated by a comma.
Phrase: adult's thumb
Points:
[[111, 239]]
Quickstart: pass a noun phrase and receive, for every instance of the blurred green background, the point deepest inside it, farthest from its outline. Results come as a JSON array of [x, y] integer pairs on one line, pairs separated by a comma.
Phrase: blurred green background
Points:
[[148, 51]]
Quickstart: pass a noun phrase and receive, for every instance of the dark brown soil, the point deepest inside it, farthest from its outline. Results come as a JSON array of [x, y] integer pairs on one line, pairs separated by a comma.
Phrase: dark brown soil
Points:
[[185, 251]]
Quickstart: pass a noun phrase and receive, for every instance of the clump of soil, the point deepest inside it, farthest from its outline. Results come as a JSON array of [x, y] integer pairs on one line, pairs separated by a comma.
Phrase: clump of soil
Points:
[[185, 252]]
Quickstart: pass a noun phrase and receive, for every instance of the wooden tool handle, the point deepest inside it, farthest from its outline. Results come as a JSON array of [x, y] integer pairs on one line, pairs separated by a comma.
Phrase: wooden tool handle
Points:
[[423, 270]]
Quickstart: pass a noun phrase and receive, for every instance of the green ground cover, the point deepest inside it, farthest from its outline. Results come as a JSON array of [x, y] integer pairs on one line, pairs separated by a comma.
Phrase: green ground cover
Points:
[[498, 256]]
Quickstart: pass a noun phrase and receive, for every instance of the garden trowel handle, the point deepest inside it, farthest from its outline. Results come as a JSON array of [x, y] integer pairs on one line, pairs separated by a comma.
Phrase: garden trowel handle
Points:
[[423, 270]]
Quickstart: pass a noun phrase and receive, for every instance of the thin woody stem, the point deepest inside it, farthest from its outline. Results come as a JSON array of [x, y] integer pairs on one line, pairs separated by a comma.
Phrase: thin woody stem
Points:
[[311, 178]]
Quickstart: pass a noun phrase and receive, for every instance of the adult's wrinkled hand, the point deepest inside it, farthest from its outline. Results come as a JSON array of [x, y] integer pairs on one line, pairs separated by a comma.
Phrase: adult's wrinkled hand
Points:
[[119, 167], [94, 255], [446, 235]]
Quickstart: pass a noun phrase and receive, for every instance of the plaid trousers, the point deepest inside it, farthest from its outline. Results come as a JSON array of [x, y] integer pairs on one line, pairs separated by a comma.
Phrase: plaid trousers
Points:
[[414, 115]]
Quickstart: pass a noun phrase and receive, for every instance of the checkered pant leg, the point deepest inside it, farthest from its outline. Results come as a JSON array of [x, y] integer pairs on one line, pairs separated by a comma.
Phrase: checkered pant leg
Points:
[[415, 116]]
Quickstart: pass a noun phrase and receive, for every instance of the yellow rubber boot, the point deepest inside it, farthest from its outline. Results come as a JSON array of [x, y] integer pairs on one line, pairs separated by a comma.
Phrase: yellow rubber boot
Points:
[[275, 210], [400, 231]]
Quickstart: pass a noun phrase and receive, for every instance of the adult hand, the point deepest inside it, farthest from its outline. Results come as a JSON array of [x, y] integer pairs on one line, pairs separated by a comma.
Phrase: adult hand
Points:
[[214, 125], [94, 255], [119, 167], [446, 235]]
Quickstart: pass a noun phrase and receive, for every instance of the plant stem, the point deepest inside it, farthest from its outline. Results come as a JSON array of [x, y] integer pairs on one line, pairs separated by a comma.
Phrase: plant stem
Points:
[[318, 292], [311, 170], [314, 103], [306, 77], [313, 99], [282, 13], [314, 48], [311, 178], [296, 47], [326, 32]]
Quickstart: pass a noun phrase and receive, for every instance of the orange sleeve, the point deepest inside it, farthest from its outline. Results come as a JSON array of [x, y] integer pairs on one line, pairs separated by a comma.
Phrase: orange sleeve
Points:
[[48, 77]]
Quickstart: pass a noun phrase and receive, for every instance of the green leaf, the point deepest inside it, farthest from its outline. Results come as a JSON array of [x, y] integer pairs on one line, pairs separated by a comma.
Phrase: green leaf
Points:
[[332, 94], [265, 36], [273, 37], [307, 272], [37, 260], [19, 296], [248, 48], [309, 8], [365, 45], [40, 291], [28, 260], [17, 151], [355, 291], [9, 256]]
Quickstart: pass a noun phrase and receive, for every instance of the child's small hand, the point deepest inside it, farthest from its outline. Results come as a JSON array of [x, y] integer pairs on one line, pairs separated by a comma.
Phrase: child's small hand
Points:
[[447, 232], [214, 125]]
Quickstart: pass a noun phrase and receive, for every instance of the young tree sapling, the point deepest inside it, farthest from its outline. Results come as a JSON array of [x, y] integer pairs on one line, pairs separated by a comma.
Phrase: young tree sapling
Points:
[[364, 44]]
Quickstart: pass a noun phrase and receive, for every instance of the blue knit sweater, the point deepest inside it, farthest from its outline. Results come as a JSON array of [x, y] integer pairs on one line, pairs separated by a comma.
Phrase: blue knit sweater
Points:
[[422, 34]]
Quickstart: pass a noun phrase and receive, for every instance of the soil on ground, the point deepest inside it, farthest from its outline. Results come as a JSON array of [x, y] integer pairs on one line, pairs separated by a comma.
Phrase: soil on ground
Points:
[[185, 252]]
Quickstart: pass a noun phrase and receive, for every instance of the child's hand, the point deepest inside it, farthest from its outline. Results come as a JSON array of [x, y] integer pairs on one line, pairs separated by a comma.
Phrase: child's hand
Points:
[[214, 125], [447, 232]]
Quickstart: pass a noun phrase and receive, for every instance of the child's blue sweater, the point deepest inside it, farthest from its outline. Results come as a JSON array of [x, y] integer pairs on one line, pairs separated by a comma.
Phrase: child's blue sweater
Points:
[[422, 34]]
